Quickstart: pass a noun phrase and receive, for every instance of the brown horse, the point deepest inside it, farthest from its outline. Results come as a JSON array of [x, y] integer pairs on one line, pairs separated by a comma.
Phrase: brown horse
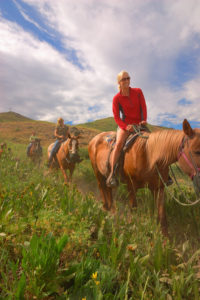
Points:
[[66, 157], [143, 160], [35, 152]]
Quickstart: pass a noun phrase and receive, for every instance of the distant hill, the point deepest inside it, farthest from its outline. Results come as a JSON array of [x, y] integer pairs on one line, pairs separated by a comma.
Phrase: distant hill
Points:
[[17, 128], [106, 124], [13, 117], [109, 124]]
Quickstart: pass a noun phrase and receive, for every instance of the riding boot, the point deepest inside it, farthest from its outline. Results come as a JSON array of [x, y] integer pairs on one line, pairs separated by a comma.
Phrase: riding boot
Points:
[[112, 180], [50, 160]]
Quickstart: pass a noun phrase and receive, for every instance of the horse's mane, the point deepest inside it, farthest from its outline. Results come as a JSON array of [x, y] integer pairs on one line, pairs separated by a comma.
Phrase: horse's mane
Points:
[[161, 146]]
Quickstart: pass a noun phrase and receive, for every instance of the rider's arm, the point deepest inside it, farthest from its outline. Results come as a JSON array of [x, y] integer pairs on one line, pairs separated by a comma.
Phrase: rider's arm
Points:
[[143, 107], [32, 138], [57, 135], [116, 113]]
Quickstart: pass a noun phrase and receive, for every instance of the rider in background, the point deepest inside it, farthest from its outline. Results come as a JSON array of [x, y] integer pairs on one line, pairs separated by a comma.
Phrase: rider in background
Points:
[[32, 139], [129, 107], [61, 133]]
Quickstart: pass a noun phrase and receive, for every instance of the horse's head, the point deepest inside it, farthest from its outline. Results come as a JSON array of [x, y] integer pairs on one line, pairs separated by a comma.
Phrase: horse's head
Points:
[[36, 149], [189, 154], [73, 145]]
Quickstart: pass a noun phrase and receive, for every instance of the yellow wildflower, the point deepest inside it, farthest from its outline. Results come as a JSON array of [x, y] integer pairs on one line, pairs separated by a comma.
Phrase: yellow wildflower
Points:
[[94, 275], [84, 298], [97, 282]]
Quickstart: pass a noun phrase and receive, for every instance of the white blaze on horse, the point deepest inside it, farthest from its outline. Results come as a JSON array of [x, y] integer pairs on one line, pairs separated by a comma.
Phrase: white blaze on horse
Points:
[[142, 161]]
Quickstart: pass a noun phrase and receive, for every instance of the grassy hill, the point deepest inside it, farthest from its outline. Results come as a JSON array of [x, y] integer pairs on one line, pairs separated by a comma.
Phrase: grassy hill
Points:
[[17, 128], [13, 117], [106, 124]]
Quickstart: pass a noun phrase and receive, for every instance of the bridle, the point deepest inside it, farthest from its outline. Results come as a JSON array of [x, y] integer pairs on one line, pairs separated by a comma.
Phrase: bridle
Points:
[[195, 171]]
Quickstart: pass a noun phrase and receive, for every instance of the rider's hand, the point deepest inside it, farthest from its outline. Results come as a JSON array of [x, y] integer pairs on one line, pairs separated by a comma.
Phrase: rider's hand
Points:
[[129, 128], [142, 123]]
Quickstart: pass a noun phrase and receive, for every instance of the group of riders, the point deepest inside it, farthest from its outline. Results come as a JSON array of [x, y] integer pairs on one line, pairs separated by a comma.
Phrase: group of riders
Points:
[[61, 133], [129, 110]]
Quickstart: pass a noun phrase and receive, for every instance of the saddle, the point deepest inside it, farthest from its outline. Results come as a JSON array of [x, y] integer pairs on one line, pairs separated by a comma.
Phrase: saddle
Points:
[[111, 140]]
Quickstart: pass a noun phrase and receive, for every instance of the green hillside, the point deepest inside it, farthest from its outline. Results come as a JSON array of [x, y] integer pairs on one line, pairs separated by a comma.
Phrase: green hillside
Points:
[[13, 117], [106, 124]]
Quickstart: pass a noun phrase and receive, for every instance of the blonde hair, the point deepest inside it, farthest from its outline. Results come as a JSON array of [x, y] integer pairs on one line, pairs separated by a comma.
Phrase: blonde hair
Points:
[[59, 120], [119, 77]]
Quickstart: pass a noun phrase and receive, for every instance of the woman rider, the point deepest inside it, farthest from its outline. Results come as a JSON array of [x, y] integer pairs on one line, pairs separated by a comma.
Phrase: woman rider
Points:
[[61, 133], [130, 102]]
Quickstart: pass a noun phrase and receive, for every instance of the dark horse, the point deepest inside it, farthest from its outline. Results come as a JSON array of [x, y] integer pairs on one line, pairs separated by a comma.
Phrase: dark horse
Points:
[[35, 152], [66, 157], [143, 160]]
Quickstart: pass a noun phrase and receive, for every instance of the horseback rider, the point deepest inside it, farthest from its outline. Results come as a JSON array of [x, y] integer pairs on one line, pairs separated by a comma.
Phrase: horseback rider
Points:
[[61, 133], [33, 139], [130, 102]]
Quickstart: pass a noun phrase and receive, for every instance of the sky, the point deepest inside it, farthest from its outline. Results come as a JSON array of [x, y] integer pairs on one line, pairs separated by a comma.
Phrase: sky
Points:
[[61, 58]]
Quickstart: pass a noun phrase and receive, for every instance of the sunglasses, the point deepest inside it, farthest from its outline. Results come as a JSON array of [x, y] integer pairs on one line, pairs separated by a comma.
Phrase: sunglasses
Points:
[[125, 78]]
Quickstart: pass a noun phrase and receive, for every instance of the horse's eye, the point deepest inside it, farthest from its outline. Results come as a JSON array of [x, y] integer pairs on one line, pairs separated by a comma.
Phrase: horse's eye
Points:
[[197, 152]]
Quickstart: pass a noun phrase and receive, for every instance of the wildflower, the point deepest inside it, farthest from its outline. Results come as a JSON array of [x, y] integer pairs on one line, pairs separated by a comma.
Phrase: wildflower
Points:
[[84, 298], [97, 282], [94, 275], [132, 247]]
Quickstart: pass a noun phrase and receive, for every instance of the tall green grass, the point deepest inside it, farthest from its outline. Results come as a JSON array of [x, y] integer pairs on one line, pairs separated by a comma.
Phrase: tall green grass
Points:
[[56, 242]]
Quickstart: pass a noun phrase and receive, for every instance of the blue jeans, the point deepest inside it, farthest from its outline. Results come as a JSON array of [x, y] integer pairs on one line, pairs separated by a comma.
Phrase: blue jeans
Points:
[[54, 149]]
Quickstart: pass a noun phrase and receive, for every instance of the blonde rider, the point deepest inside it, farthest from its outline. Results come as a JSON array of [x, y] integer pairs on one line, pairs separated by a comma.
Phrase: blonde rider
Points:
[[129, 107]]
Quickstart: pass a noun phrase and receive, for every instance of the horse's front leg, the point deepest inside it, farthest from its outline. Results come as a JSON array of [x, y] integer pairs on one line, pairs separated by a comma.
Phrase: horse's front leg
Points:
[[131, 193], [65, 175], [71, 171], [160, 201], [106, 192], [63, 171]]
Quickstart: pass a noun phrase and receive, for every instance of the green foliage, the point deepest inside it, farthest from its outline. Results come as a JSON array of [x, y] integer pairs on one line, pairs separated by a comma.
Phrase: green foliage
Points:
[[56, 242], [40, 262]]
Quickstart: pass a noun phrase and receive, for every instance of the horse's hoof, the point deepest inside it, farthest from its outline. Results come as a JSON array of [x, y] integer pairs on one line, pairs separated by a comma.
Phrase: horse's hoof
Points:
[[104, 208]]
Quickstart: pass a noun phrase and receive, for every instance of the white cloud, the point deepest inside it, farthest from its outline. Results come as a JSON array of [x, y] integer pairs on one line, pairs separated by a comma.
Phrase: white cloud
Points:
[[143, 37]]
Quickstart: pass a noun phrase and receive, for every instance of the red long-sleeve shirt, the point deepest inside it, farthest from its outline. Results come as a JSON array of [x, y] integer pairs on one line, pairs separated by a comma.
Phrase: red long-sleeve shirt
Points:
[[132, 107]]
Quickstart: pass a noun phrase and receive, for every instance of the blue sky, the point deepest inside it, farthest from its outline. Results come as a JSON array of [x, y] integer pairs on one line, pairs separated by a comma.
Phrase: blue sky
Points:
[[61, 58]]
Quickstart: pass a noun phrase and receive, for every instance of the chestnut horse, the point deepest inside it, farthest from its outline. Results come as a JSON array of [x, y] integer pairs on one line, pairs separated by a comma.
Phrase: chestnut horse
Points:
[[64, 157], [35, 152], [143, 160]]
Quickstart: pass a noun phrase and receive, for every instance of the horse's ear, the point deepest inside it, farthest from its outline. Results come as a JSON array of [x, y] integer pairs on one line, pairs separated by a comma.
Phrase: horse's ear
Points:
[[188, 129]]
